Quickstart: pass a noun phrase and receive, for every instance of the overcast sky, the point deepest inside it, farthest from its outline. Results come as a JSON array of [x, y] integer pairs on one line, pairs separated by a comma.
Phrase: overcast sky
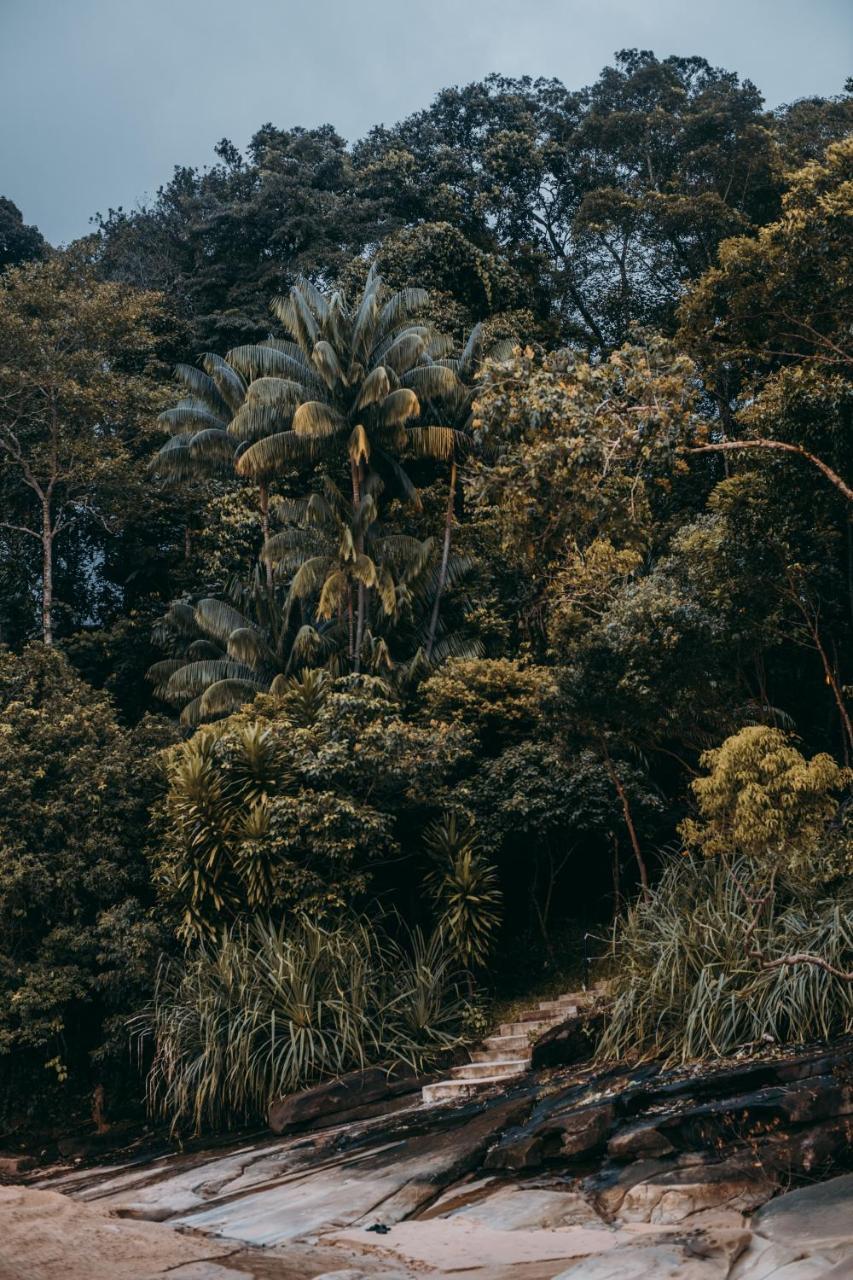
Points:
[[99, 99]]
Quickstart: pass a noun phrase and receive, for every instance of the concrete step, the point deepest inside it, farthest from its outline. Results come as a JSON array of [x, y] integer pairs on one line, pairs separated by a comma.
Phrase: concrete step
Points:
[[559, 1009], [502, 1055], [507, 1044], [489, 1070], [524, 1028], [449, 1090]]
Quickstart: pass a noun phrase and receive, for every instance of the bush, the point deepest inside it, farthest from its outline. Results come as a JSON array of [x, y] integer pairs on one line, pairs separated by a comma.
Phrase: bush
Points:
[[78, 941], [264, 1010], [694, 974]]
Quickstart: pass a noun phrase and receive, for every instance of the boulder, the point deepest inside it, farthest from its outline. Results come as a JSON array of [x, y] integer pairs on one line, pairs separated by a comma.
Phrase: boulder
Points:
[[568, 1043], [353, 1096]]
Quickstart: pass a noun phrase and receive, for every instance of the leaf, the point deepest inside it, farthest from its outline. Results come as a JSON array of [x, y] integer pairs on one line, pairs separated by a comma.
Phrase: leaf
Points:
[[275, 359], [229, 383], [325, 359], [297, 317], [275, 453], [315, 418], [191, 414], [218, 619], [194, 677], [214, 448], [310, 577], [247, 645], [433, 382], [256, 421], [161, 672], [435, 442], [221, 698], [399, 407], [404, 352], [400, 306], [375, 387], [358, 446], [334, 595], [202, 386], [471, 352]]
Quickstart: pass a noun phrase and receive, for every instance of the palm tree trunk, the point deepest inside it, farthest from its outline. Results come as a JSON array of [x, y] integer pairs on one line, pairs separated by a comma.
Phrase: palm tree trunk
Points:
[[264, 503], [355, 468], [445, 557], [47, 572]]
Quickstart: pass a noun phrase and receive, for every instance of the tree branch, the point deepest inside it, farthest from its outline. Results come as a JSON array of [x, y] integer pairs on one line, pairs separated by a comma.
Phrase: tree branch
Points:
[[780, 446]]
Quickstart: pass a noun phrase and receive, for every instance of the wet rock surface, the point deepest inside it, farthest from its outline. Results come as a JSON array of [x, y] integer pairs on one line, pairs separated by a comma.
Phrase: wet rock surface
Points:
[[571, 1172]]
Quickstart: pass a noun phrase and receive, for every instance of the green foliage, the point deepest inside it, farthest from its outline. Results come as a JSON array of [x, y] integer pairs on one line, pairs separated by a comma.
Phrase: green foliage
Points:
[[762, 799], [464, 889], [79, 940], [287, 806], [261, 1011], [686, 985]]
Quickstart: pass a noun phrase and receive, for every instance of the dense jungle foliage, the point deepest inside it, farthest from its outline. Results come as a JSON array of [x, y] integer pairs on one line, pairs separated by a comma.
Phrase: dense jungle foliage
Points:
[[416, 555]]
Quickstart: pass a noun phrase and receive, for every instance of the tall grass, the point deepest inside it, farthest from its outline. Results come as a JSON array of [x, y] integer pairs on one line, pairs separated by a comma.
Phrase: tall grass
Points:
[[265, 1010], [686, 983]]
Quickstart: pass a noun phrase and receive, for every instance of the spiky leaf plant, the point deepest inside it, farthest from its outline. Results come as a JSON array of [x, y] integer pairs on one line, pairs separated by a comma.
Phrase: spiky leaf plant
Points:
[[464, 887], [689, 981], [261, 1011]]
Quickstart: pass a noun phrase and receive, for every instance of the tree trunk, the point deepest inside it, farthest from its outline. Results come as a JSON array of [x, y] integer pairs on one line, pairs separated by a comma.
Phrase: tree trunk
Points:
[[629, 822], [359, 543], [264, 503], [445, 557], [47, 572]]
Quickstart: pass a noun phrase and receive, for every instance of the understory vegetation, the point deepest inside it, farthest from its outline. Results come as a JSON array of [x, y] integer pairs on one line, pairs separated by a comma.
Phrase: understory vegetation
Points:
[[421, 561]]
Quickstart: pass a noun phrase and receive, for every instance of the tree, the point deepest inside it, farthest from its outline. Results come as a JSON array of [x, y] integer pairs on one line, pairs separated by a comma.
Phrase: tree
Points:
[[79, 942], [776, 313], [18, 243], [348, 376], [220, 242], [73, 383], [607, 199]]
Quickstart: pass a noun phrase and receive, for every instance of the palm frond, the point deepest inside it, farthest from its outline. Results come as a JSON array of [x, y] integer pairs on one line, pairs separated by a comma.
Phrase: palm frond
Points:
[[399, 407], [400, 306], [435, 442], [432, 382], [315, 418], [275, 453], [218, 619], [229, 383]]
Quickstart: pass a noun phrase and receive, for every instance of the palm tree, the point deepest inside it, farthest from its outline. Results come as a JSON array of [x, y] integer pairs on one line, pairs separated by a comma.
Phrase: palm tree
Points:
[[349, 378]]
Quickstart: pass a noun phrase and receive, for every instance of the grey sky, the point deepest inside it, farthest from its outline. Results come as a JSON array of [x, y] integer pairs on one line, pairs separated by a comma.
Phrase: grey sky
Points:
[[100, 98]]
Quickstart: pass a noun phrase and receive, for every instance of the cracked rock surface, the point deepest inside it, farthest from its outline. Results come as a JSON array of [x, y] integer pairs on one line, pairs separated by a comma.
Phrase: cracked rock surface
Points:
[[581, 1173]]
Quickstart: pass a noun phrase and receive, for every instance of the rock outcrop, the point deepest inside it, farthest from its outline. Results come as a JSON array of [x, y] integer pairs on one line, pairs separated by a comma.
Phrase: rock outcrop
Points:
[[575, 1172]]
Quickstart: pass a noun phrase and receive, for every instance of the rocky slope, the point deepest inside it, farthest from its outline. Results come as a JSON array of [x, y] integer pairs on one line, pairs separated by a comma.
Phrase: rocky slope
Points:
[[565, 1172]]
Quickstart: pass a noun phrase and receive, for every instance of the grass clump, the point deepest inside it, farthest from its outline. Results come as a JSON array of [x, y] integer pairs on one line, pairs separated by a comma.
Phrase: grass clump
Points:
[[264, 1010], [698, 965]]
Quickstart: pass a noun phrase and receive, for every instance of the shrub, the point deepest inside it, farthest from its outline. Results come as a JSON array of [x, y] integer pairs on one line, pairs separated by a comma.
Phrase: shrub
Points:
[[694, 974], [264, 1010]]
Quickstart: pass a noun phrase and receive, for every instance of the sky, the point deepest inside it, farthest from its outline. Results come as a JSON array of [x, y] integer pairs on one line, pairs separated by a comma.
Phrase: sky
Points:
[[100, 99]]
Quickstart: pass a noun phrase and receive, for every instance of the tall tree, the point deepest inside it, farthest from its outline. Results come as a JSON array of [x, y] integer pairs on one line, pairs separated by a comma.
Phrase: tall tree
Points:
[[73, 384]]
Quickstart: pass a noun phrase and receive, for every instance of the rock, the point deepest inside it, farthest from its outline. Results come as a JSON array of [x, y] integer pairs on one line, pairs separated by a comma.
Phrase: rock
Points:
[[561, 1135], [514, 1208], [676, 1195], [569, 1042], [350, 1095], [818, 1216], [708, 1258]]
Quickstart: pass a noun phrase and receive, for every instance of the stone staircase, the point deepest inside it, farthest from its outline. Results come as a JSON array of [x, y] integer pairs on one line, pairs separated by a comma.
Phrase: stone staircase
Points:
[[508, 1054]]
